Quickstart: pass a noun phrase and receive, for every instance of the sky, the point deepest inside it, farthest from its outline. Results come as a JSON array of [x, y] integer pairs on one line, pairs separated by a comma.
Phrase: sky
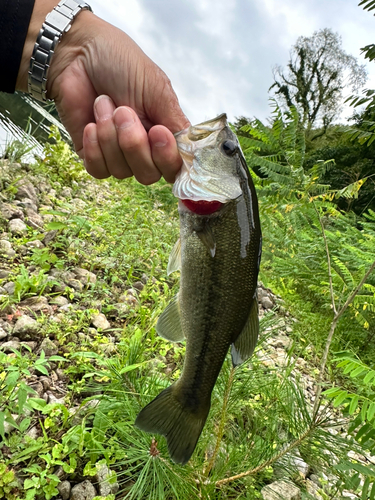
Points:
[[219, 55]]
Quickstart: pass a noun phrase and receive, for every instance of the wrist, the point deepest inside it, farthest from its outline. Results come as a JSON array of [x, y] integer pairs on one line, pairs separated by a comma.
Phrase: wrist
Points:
[[40, 11], [51, 28]]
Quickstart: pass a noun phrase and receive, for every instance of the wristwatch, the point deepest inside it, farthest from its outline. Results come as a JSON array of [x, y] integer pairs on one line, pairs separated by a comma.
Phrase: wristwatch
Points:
[[57, 22]]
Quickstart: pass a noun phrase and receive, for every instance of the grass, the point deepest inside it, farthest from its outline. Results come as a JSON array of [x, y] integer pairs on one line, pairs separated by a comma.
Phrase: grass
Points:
[[124, 232]]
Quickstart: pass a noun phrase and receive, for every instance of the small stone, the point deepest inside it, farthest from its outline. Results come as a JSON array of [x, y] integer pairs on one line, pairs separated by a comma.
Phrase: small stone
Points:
[[83, 491], [138, 285], [53, 400], [84, 276], [34, 220], [26, 328], [31, 344], [4, 273], [34, 432], [313, 489], [61, 375], [59, 301], [119, 310], [49, 347], [266, 302], [26, 190], [75, 284], [38, 388], [9, 212], [99, 321], [35, 304], [128, 298], [35, 244], [17, 226], [10, 345], [66, 307], [3, 333], [78, 203], [144, 278], [66, 192], [64, 489], [6, 249], [50, 236], [106, 480], [46, 382], [60, 473], [281, 490]]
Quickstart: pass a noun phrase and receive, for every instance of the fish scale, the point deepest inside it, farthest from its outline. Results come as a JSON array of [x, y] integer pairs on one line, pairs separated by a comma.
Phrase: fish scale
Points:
[[218, 254]]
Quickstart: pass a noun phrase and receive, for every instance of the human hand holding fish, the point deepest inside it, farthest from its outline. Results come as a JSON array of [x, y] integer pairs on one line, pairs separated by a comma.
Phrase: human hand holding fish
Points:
[[118, 106], [218, 254]]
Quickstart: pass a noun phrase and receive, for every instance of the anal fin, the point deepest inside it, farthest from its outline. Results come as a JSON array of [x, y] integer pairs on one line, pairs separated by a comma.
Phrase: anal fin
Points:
[[169, 323], [244, 346]]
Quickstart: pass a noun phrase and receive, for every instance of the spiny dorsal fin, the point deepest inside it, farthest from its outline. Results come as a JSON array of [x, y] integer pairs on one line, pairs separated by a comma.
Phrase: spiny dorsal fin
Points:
[[169, 323], [244, 346], [174, 262]]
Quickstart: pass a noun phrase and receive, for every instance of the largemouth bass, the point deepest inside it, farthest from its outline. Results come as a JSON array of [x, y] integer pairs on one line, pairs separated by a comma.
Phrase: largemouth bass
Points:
[[218, 254]]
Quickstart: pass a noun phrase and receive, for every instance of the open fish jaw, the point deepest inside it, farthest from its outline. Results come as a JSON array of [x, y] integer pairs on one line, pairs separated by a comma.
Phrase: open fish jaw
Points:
[[197, 179]]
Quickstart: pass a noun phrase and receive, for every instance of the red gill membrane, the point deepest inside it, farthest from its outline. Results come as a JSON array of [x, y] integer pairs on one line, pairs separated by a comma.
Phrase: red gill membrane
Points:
[[202, 207]]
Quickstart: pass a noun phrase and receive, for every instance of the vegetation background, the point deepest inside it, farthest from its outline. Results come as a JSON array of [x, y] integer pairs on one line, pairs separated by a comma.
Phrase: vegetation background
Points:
[[315, 181]]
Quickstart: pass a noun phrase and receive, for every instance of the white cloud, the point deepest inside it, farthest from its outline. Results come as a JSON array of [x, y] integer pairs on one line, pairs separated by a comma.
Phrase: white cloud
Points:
[[219, 55]]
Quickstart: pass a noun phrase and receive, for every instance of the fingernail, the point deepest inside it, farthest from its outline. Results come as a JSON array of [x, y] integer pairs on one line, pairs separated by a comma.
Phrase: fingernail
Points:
[[123, 118], [103, 108], [162, 140], [92, 135]]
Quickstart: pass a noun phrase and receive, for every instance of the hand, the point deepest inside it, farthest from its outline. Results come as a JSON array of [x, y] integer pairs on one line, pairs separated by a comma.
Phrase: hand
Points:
[[118, 106]]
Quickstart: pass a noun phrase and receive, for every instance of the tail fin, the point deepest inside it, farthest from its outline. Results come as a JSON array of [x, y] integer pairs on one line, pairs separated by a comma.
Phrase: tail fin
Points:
[[167, 416]]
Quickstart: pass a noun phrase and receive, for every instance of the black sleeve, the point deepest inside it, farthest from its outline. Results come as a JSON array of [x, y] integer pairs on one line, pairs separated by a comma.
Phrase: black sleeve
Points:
[[14, 22]]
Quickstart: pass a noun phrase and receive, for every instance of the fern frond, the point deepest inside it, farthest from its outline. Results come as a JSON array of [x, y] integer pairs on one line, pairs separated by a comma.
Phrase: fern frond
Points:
[[344, 272], [351, 191]]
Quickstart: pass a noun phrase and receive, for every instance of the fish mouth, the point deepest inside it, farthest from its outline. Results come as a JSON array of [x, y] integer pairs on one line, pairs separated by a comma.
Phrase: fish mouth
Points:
[[196, 181], [188, 138], [203, 130]]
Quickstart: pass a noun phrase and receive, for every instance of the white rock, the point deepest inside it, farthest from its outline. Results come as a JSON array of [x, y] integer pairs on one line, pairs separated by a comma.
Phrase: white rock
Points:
[[64, 489], [11, 344], [281, 490], [84, 276], [35, 244], [6, 249], [25, 325], [100, 321], [83, 491], [60, 301], [53, 400], [107, 485], [313, 489], [17, 226], [266, 302], [3, 333]]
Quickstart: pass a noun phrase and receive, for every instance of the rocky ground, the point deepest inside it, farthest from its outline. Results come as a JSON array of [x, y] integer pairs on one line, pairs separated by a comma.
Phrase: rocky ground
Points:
[[35, 308]]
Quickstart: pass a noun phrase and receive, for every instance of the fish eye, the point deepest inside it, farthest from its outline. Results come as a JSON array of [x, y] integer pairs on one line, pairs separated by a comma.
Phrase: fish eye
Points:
[[229, 148]]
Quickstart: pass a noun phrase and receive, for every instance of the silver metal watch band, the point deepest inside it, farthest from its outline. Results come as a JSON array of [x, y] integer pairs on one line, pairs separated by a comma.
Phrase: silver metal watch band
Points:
[[56, 24]]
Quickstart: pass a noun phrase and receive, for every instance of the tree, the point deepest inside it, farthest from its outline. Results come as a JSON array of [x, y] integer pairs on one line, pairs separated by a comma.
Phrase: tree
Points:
[[318, 71]]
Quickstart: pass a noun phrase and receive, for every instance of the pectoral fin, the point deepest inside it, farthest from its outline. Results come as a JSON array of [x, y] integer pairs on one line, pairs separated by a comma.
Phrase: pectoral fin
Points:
[[207, 238], [245, 344], [169, 323], [174, 262]]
